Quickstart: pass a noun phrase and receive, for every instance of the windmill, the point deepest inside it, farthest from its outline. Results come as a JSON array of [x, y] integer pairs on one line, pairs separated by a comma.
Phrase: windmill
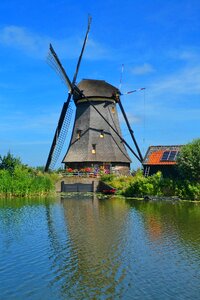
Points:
[[96, 139]]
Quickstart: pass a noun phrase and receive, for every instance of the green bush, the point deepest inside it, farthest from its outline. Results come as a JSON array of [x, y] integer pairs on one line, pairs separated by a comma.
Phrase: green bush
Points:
[[155, 185], [187, 190], [188, 162], [142, 186]]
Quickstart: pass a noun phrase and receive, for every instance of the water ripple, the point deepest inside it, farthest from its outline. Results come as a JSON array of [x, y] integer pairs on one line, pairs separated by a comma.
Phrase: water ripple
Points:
[[85, 248]]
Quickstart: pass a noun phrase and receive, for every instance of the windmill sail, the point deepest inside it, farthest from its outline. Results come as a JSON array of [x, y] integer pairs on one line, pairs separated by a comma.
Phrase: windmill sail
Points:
[[66, 113], [60, 135], [54, 61], [82, 50], [96, 139], [130, 130]]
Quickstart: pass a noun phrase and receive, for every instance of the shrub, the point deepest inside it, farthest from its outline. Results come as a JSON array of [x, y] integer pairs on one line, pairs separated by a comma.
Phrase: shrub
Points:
[[142, 186], [188, 162], [155, 185]]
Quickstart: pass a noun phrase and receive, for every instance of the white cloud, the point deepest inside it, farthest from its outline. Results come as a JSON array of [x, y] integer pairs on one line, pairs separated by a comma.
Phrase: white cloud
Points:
[[143, 69], [185, 81], [20, 38], [188, 54], [37, 45], [95, 50], [173, 97]]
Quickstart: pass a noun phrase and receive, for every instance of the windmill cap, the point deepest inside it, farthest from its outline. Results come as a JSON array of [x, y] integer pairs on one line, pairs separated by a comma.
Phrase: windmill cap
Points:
[[96, 88]]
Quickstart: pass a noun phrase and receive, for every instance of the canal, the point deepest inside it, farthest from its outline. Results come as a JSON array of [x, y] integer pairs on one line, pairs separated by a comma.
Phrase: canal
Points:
[[82, 247]]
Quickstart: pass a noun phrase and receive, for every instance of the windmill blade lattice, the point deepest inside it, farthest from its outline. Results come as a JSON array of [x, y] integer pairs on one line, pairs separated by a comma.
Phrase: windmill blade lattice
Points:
[[52, 63], [55, 63], [61, 136], [66, 114]]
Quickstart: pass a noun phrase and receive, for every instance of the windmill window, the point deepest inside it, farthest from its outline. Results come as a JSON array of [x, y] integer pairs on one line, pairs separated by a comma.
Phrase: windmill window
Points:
[[93, 148], [79, 134], [113, 109], [101, 134]]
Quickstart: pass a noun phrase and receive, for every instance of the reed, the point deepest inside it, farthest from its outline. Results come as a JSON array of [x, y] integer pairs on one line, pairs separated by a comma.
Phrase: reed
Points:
[[19, 180]]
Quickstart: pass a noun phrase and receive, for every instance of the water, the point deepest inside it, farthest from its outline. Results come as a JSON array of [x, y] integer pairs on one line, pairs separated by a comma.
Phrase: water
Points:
[[85, 248]]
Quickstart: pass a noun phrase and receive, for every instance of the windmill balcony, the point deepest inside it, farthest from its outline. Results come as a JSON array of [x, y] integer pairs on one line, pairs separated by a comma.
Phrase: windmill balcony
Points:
[[96, 170]]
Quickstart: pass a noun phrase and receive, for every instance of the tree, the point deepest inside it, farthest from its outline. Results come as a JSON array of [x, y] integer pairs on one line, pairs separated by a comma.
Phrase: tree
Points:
[[9, 162], [188, 162]]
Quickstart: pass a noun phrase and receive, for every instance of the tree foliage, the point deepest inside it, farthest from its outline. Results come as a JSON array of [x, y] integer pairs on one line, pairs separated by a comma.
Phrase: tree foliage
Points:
[[9, 162], [188, 162]]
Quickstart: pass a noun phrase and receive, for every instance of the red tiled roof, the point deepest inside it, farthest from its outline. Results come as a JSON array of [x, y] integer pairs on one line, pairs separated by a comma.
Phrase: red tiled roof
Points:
[[155, 153], [155, 157]]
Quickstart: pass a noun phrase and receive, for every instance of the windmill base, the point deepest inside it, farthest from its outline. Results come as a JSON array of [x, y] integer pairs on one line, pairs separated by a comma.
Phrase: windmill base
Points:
[[83, 185]]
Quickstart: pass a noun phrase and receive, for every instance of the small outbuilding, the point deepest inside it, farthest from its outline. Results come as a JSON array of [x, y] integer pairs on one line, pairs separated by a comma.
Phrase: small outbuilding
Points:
[[161, 158]]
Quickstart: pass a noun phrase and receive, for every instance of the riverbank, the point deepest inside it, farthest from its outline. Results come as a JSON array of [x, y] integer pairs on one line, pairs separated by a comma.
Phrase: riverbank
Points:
[[19, 180], [139, 186], [30, 183]]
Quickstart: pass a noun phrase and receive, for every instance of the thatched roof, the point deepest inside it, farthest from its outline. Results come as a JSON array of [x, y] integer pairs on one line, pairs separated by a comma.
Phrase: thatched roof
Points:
[[96, 88]]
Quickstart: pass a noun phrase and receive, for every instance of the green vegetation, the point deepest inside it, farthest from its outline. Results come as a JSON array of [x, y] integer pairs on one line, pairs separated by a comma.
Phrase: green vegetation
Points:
[[19, 180], [189, 161], [187, 186], [155, 185]]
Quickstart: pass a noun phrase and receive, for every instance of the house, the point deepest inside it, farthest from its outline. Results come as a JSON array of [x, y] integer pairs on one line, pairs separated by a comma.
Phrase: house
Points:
[[161, 158]]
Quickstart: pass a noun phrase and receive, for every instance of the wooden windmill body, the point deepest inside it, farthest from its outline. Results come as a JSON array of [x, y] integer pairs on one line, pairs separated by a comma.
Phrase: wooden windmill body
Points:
[[94, 143], [96, 140]]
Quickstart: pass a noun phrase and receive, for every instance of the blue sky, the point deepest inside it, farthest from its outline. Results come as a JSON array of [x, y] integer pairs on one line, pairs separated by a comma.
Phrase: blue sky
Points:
[[157, 41]]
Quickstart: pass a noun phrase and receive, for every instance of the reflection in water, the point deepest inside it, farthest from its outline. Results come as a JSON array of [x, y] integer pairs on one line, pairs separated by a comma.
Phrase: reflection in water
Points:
[[154, 227], [97, 231], [85, 248], [162, 219]]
